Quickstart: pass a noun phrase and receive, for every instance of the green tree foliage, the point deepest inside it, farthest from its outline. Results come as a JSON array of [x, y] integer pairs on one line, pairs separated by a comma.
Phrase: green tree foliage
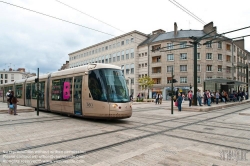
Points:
[[146, 83]]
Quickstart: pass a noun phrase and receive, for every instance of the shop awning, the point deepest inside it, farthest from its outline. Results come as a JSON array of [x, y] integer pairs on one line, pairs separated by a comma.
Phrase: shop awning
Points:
[[225, 81]]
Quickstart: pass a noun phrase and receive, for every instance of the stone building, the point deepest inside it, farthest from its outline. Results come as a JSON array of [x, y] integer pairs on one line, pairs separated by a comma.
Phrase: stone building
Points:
[[155, 54]]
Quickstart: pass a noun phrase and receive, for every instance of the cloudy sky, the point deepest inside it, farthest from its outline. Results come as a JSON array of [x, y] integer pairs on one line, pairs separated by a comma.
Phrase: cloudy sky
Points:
[[30, 40]]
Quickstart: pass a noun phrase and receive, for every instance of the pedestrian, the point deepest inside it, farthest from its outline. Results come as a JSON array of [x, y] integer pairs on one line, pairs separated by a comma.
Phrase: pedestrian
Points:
[[14, 102], [179, 101], [131, 97], [157, 98], [199, 97], [208, 98], [205, 97], [190, 97], [217, 96], [11, 106], [7, 97], [183, 98], [160, 98]]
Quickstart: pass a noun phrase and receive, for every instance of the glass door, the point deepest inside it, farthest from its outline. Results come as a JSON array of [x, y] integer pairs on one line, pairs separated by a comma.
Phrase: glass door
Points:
[[77, 95], [28, 95]]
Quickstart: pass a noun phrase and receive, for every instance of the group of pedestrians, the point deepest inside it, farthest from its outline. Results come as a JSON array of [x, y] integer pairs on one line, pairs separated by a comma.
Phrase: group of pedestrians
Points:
[[11, 102]]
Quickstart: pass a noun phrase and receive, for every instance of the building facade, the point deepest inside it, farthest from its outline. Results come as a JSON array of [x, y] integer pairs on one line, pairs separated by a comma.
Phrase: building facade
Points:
[[155, 55]]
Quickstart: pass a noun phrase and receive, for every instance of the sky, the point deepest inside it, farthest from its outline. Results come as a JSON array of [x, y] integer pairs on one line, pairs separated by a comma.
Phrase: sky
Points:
[[30, 40]]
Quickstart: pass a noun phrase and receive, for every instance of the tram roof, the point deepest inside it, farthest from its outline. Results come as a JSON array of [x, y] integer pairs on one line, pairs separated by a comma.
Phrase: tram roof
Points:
[[223, 80]]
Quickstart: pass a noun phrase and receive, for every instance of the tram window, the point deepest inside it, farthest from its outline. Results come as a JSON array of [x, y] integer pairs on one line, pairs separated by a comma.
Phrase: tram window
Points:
[[62, 89], [19, 91]]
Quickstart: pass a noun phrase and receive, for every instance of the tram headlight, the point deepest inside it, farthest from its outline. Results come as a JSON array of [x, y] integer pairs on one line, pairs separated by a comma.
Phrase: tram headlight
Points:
[[115, 105]]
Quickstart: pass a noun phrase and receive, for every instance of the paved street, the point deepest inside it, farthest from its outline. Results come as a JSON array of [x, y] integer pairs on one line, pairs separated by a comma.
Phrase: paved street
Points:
[[152, 136]]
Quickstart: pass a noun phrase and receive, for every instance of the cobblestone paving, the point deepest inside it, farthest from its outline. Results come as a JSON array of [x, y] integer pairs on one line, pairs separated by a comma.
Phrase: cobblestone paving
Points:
[[152, 136]]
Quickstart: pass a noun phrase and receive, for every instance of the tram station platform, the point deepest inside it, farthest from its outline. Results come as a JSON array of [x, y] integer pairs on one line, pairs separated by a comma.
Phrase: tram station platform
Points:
[[203, 108], [4, 108]]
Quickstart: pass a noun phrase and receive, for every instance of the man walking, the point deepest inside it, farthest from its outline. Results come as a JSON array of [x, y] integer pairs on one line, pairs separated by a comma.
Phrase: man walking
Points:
[[199, 97]]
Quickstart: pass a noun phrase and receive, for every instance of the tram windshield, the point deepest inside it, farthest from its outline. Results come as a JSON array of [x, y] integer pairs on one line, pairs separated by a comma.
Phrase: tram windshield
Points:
[[108, 85]]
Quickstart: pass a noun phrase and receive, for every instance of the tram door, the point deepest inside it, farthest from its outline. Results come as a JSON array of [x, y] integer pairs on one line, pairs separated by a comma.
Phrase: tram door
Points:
[[41, 95], [77, 93], [28, 95]]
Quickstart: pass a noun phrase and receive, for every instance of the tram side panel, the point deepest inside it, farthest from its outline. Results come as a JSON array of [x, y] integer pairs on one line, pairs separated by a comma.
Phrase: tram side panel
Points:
[[60, 95], [19, 93]]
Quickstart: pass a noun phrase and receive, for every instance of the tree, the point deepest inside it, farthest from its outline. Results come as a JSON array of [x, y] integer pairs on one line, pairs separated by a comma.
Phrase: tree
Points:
[[146, 83]]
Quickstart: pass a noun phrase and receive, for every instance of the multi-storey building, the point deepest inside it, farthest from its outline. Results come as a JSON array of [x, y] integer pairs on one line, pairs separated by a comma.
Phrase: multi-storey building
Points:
[[155, 54], [12, 75]]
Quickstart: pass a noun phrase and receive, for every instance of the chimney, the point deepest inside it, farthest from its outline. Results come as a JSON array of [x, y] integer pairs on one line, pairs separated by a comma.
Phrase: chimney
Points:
[[175, 29], [10, 69]]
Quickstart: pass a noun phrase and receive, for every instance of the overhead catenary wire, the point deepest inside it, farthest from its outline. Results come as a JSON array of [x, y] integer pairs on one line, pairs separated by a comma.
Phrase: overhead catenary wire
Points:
[[190, 12], [58, 18], [187, 11], [96, 19]]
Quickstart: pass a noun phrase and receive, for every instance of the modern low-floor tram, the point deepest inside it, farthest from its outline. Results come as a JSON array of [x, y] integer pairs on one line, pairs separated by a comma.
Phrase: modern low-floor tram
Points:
[[93, 91]]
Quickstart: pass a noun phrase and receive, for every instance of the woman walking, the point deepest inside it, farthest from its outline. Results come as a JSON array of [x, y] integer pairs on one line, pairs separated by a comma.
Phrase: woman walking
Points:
[[179, 101]]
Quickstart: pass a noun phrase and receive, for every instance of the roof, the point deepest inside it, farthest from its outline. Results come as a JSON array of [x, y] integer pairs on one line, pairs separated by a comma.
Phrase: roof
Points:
[[223, 80], [180, 34], [170, 35]]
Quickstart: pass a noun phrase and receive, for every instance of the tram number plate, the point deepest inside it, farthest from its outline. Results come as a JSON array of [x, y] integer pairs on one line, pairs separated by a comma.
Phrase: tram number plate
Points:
[[90, 105]]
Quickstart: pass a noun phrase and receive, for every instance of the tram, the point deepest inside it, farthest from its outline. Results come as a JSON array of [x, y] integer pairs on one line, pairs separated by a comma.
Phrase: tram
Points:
[[93, 91]]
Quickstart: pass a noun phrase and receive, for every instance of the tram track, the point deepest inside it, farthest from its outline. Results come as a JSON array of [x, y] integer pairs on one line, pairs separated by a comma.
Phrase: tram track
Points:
[[146, 136], [125, 128]]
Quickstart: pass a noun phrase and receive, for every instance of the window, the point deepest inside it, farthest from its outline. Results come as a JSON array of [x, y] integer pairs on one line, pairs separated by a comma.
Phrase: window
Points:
[[122, 68], [183, 67], [122, 43], [183, 44], [110, 58], [2, 76], [198, 56], [131, 53], [132, 40], [114, 57], [146, 53], [127, 54], [12, 76], [183, 79], [19, 91], [139, 65], [107, 59], [198, 45], [146, 64], [209, 56], [170, 57], [103, 57], [169, 79], [6, 76], [106, 48], [132, 66], [132, 81], [127, 69], [220, 57], [228, 47], [209, 67], [228, 58], [109, 46], [170, 46], [198, 79], [139, 55], [122, 57], [219, 68], [219, 45], [127, 41], [169, 68], [198, 67], [62, 89], [209, 44], [183, 56], [118, 56]]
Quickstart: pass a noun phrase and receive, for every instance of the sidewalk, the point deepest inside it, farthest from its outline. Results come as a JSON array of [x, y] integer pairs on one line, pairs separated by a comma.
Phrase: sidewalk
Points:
[[4, 109], [185, 105]]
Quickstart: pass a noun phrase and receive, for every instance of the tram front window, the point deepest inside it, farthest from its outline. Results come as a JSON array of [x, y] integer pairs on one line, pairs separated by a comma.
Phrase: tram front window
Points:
[[108, 85]]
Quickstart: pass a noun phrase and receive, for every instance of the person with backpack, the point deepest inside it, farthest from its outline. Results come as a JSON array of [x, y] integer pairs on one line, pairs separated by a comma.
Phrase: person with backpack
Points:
[[14, 102]]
